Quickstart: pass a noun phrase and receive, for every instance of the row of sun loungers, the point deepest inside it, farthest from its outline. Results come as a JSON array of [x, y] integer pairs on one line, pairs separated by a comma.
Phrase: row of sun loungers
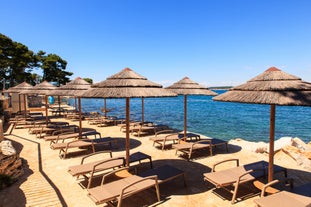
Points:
[[116, 191], [26, 121], [140, 129], [179, 142], [117, 182], [41, 130], [125, 184]]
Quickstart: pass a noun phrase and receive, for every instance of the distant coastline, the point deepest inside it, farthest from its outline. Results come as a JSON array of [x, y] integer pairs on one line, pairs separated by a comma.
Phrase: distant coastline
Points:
[[220, 87]]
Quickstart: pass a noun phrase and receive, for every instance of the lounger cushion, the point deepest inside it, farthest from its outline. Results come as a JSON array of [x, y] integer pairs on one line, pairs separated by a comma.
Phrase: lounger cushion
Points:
[[284, 198], [88, 167], [111, 191]]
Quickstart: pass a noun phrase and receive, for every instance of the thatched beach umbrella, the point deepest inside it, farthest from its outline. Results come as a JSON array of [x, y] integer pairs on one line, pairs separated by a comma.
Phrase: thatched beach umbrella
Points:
[[17, 89], [41, 89], [126, 84], [186, 87], [273, 87], [74, 88]]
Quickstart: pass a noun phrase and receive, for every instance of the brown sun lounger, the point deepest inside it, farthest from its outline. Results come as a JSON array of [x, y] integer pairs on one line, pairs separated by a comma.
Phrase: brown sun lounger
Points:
[[94, 168], [133, 184], [61, 137], [65, 146], [145, 128], [299, 196], [48, 131], [231, 179], [120, 189], [70, 135], [164, 138], [165, 173], [87, 169], [285, 199], [189, 148]]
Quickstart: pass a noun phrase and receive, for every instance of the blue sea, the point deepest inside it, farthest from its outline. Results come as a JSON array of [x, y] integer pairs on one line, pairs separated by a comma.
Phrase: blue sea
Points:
[[224, 120]]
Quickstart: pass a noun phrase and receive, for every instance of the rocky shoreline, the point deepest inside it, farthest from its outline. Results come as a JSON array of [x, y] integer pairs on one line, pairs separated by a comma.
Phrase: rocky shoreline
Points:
[[294, 147]]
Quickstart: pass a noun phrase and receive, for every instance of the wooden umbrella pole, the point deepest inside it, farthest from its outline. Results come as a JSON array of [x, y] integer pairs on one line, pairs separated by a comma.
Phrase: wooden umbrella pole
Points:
[[25, 105], [59, 102], [185, 117], [80, 118], [271, 143], [142, 110], [105, 108], [19, 103], [46, 109], [75, 104], [127, 138]]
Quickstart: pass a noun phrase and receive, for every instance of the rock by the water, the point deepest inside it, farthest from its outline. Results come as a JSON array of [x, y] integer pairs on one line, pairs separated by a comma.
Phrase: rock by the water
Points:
[[7, 148], [258, 147], [282, 142], [293, 147]]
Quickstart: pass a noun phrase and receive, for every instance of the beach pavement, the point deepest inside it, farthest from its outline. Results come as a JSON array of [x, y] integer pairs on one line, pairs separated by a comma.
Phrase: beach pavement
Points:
[[46, 181]]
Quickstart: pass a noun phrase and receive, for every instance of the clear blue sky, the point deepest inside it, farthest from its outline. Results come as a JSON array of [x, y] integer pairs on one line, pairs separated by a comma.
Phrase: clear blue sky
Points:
[[213, 42]]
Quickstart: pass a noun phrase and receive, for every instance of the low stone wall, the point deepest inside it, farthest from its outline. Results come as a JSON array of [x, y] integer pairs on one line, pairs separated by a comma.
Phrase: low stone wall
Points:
[[1, 129], [11, 166]]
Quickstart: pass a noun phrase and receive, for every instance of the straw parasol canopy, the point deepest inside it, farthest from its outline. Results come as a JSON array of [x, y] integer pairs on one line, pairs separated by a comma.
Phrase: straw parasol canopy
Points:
[[41, 89], [17, 89], [126, 84], [20, 87], [73, 88], [185, 87], [273, 87]]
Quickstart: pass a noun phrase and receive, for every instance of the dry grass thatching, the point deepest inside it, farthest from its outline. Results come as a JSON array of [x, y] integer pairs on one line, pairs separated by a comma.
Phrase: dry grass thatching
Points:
[[188, 87], [73, 88], [271, 87], [126, 83], [20, 87], [41, 88]]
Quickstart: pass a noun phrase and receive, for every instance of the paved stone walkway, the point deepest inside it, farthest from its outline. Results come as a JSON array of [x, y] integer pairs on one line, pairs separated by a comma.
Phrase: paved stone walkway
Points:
[[37, 191]]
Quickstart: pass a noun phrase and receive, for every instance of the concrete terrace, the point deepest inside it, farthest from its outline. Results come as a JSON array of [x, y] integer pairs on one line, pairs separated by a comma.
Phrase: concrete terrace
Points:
[[46, 181]]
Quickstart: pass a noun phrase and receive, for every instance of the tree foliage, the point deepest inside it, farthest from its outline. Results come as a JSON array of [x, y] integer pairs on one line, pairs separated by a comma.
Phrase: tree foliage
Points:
[[17, 63], [16, 60], [89, 80], [54, 68]]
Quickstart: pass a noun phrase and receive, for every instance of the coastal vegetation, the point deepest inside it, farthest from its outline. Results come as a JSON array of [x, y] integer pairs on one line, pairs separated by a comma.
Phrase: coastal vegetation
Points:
[[18, 64]]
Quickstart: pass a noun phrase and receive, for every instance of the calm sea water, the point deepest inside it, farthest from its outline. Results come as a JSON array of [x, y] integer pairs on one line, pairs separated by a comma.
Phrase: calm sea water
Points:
[[222, 120]]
